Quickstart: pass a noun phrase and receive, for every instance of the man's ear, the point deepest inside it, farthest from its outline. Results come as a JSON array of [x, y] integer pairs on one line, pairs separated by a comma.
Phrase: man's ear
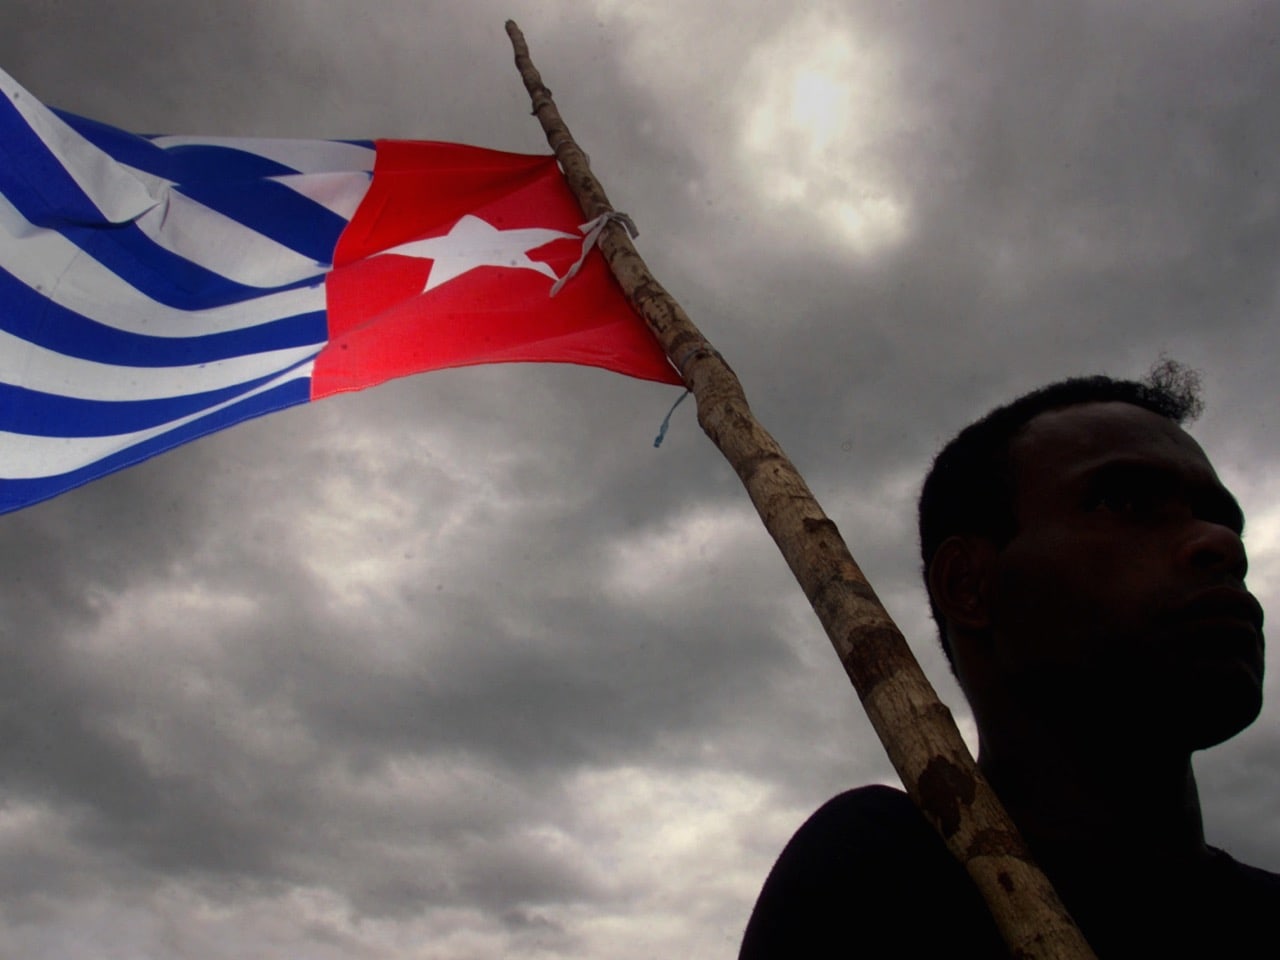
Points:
[[960, 578]]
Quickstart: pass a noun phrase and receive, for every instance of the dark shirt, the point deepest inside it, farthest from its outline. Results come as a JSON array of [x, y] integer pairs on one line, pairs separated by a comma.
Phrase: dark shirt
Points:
[[866, 876]]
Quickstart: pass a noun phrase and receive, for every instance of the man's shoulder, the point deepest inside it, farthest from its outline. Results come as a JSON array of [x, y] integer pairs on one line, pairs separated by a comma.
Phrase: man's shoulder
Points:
[[867, 871], [869, 837], [876, 801], [866, 823], [1244, 874], [1222, 908], [863, 871], [1245, 888], [879, 804]]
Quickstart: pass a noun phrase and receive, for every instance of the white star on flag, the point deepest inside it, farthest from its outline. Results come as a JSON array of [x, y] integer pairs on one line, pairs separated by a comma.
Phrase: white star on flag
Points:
[[473, 243]]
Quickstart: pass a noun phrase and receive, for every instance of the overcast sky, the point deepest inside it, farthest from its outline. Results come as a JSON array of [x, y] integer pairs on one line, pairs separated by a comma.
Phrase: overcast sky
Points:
[[461, 666]]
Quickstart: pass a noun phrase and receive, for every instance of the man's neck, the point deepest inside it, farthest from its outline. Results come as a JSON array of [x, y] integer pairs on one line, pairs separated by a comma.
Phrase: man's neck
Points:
[[1088, 811]]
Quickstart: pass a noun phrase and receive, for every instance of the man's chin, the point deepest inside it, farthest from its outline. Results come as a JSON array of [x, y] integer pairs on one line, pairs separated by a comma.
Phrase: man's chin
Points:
[[1183, 705], [1214, 683], [1223, 709]]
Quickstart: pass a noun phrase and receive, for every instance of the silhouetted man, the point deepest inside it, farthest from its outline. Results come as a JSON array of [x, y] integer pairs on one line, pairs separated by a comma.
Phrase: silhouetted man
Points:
[[1085, 567]]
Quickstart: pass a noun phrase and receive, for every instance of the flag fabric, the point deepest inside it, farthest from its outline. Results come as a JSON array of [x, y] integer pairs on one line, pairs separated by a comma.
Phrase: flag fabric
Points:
[[154, 289]]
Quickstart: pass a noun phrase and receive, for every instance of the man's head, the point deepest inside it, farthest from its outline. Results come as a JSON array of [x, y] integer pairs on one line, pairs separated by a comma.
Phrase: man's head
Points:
[[1082, 555]]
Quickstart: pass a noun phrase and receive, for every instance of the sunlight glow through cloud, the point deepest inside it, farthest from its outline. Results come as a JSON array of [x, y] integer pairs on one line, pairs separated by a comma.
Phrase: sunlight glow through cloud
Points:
[[820, 122]]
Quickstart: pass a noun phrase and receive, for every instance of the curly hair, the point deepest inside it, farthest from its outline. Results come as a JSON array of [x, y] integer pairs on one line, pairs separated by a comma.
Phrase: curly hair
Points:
[[969, 489]]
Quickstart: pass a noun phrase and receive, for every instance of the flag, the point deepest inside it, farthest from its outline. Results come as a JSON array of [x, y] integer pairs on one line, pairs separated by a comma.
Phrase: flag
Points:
[[154, 289]]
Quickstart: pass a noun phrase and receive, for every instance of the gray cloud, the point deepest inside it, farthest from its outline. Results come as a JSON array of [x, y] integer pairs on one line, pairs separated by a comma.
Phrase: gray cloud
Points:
[[462, 660]]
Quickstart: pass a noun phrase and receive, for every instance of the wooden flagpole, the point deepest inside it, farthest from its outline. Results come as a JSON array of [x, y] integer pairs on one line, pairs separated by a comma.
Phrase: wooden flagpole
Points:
[[915, 727]]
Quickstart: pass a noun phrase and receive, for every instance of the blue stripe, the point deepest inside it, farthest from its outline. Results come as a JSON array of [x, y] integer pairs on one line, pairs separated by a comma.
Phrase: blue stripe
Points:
[[187, 163], [178, 164], [27, 314], [200, 162], [274, 211], [159, 274], [21, 493], [34, 180], [36, 414], [212, 163]]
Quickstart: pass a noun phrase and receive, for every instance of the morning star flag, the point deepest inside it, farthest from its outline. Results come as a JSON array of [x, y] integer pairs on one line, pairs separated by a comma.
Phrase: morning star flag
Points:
[[157, 288]]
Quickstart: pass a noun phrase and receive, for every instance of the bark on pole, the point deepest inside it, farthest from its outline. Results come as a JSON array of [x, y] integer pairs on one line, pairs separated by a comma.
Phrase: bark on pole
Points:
[[917, 730]]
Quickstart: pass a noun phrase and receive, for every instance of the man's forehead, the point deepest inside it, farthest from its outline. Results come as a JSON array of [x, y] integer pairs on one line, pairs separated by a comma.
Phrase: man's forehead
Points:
[[1076, 439]]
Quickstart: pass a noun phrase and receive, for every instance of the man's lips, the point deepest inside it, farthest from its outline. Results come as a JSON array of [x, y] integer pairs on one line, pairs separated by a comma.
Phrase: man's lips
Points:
[[1223, 623], [1225, 604]]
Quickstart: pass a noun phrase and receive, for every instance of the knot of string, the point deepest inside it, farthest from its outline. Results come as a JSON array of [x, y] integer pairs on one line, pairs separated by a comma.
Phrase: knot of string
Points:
[[701, 348], [592, 230], [698, 348]]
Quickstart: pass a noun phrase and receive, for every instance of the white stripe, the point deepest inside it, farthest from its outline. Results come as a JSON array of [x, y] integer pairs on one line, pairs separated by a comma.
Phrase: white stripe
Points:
[[24, 364], [305, 156], [113, 188], [339, 192], [228, 248], [25, 458], [49, 263]]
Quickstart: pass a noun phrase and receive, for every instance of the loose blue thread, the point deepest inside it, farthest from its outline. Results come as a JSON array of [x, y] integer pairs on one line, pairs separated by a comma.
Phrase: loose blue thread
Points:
[[666, 421]]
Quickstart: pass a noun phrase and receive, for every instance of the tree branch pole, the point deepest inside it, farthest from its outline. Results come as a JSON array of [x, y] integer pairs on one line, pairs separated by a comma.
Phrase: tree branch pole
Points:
[[916, 728]]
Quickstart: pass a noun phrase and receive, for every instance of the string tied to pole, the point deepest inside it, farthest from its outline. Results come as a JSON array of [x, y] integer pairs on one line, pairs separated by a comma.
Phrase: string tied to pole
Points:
[[592, 230]]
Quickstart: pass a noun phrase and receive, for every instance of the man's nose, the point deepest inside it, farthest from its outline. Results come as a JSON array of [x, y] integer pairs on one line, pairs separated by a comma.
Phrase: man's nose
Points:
[[1213, 546]]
